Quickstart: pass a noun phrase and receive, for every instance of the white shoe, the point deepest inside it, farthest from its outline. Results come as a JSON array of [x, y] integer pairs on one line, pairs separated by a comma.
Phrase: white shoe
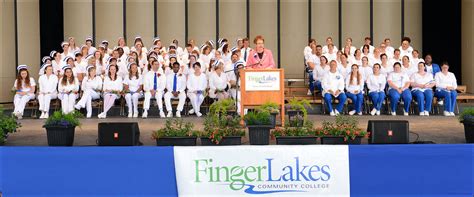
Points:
[[42, 115], [89, 115], [332, 114], [405, 113], [162, 114], [309, 93], [427, 113], [77, 106], [170, 114], [373, 112], [145, 113], [191, 111], [102, 115], [360, 113], [352, 112], [446, 113], [440, 102], [20, 116], [178, 114], [135, 114], [422, 113], [452, 114], [46, 115], [394, 113], [336, 112], [198, 114], [378, 113], [130, 114]]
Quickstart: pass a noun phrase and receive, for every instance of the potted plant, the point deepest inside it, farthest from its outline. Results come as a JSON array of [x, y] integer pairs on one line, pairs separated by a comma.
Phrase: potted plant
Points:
[[344, 130], [272, 108], [222, 130], [288, 135], [8, 125], [224, 106], [259, 125], [175, 133], [295, 108], [60, 128], [467, 118]]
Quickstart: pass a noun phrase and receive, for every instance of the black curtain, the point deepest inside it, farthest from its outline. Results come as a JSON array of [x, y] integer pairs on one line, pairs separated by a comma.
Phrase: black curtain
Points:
[[442, 33], [51, 25]]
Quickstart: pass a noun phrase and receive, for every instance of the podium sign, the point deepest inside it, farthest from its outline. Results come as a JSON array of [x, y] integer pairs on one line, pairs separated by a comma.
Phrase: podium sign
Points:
[[261, 86], [262, 81]]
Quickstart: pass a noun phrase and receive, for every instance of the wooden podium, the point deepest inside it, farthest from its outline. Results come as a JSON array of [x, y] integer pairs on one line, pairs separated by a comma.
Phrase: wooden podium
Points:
[[261, 86]]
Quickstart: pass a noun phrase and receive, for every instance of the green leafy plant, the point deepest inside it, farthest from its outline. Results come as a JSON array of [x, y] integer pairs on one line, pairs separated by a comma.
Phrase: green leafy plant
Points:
[[222, 106], [257, 118], [299, 105], [175, 128], [8, 124], [271, 107], [288, 130], [343, 126], [217, 127], [64, 120], [466, 114]]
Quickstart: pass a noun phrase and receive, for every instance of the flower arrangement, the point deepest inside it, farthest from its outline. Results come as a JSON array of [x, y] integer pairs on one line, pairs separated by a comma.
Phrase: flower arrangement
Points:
[[64, 120], [175, 128], [218, 127], [344, 126]]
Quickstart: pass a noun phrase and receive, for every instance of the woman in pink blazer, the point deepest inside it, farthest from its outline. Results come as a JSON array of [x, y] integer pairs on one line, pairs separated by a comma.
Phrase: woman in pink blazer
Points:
[[260, 58]]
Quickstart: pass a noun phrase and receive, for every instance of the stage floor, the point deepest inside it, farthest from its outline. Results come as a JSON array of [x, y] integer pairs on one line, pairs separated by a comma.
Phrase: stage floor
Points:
[[439, 129]]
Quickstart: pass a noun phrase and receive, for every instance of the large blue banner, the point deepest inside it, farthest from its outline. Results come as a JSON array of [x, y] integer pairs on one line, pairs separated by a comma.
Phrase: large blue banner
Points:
[[375, 170]]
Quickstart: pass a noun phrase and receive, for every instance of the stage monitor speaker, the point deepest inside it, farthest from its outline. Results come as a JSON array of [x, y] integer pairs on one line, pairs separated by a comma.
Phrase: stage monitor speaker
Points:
[[119, 134], [388, 131]]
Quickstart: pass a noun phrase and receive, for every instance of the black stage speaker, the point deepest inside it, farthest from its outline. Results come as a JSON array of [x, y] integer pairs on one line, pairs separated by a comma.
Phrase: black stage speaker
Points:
[[388, 131], [119, 134]]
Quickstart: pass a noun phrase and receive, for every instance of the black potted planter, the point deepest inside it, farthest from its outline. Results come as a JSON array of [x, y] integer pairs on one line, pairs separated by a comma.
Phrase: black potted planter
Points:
[[60, 135], [176, 141], [468, 123], [273, 119], [296, 140], [340, 140], [259, 134], [226, 141], [292, 118]]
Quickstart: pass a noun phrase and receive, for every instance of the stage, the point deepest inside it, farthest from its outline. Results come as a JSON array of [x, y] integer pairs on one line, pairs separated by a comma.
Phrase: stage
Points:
[[439, 129]]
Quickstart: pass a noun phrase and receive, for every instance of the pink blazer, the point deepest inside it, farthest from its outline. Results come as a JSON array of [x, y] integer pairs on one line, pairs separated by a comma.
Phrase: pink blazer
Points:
[[267, 62]]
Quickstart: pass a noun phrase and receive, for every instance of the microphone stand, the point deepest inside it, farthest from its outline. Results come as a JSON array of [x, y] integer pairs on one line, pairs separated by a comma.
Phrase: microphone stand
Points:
[[236, 70]]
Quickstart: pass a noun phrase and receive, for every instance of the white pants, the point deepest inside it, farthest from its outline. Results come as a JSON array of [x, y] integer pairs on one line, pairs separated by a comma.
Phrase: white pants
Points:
[[159, 99], [109, 100], [67, 102], [20, 102], [86, 100], [196, 100], [182, 98], [219, 96], [132, 101], [45, 101]]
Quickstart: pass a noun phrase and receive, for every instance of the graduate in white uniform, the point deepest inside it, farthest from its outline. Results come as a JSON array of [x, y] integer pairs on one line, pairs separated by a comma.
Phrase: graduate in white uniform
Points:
[[133, 88], [422, 84], [331, 54], [99, 63], [48, 84], [112, 89], [319, 72], [80, 63], [415, 58], [375, 57], [91, 88], [407, 67], [399, 84], [24, 88], [179, 50], [308, 51], [355, 89], [389, 50], [245, 51], [333, 87], [107, 50], [343, 67], [365, 69], [366, 51], [90, 48], [175, 86], [206, 55], [56, 62], [196, 84], [446, 85], [385, 67], [376, 84], [45, 60], [68, 88], [356, 58], [218, 82], [65, 47], [312, 61], [72, 45], [396, 57], [351, 49], [367, 41], [405, 48], [154, 84], [122, 44], [325, 47]]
